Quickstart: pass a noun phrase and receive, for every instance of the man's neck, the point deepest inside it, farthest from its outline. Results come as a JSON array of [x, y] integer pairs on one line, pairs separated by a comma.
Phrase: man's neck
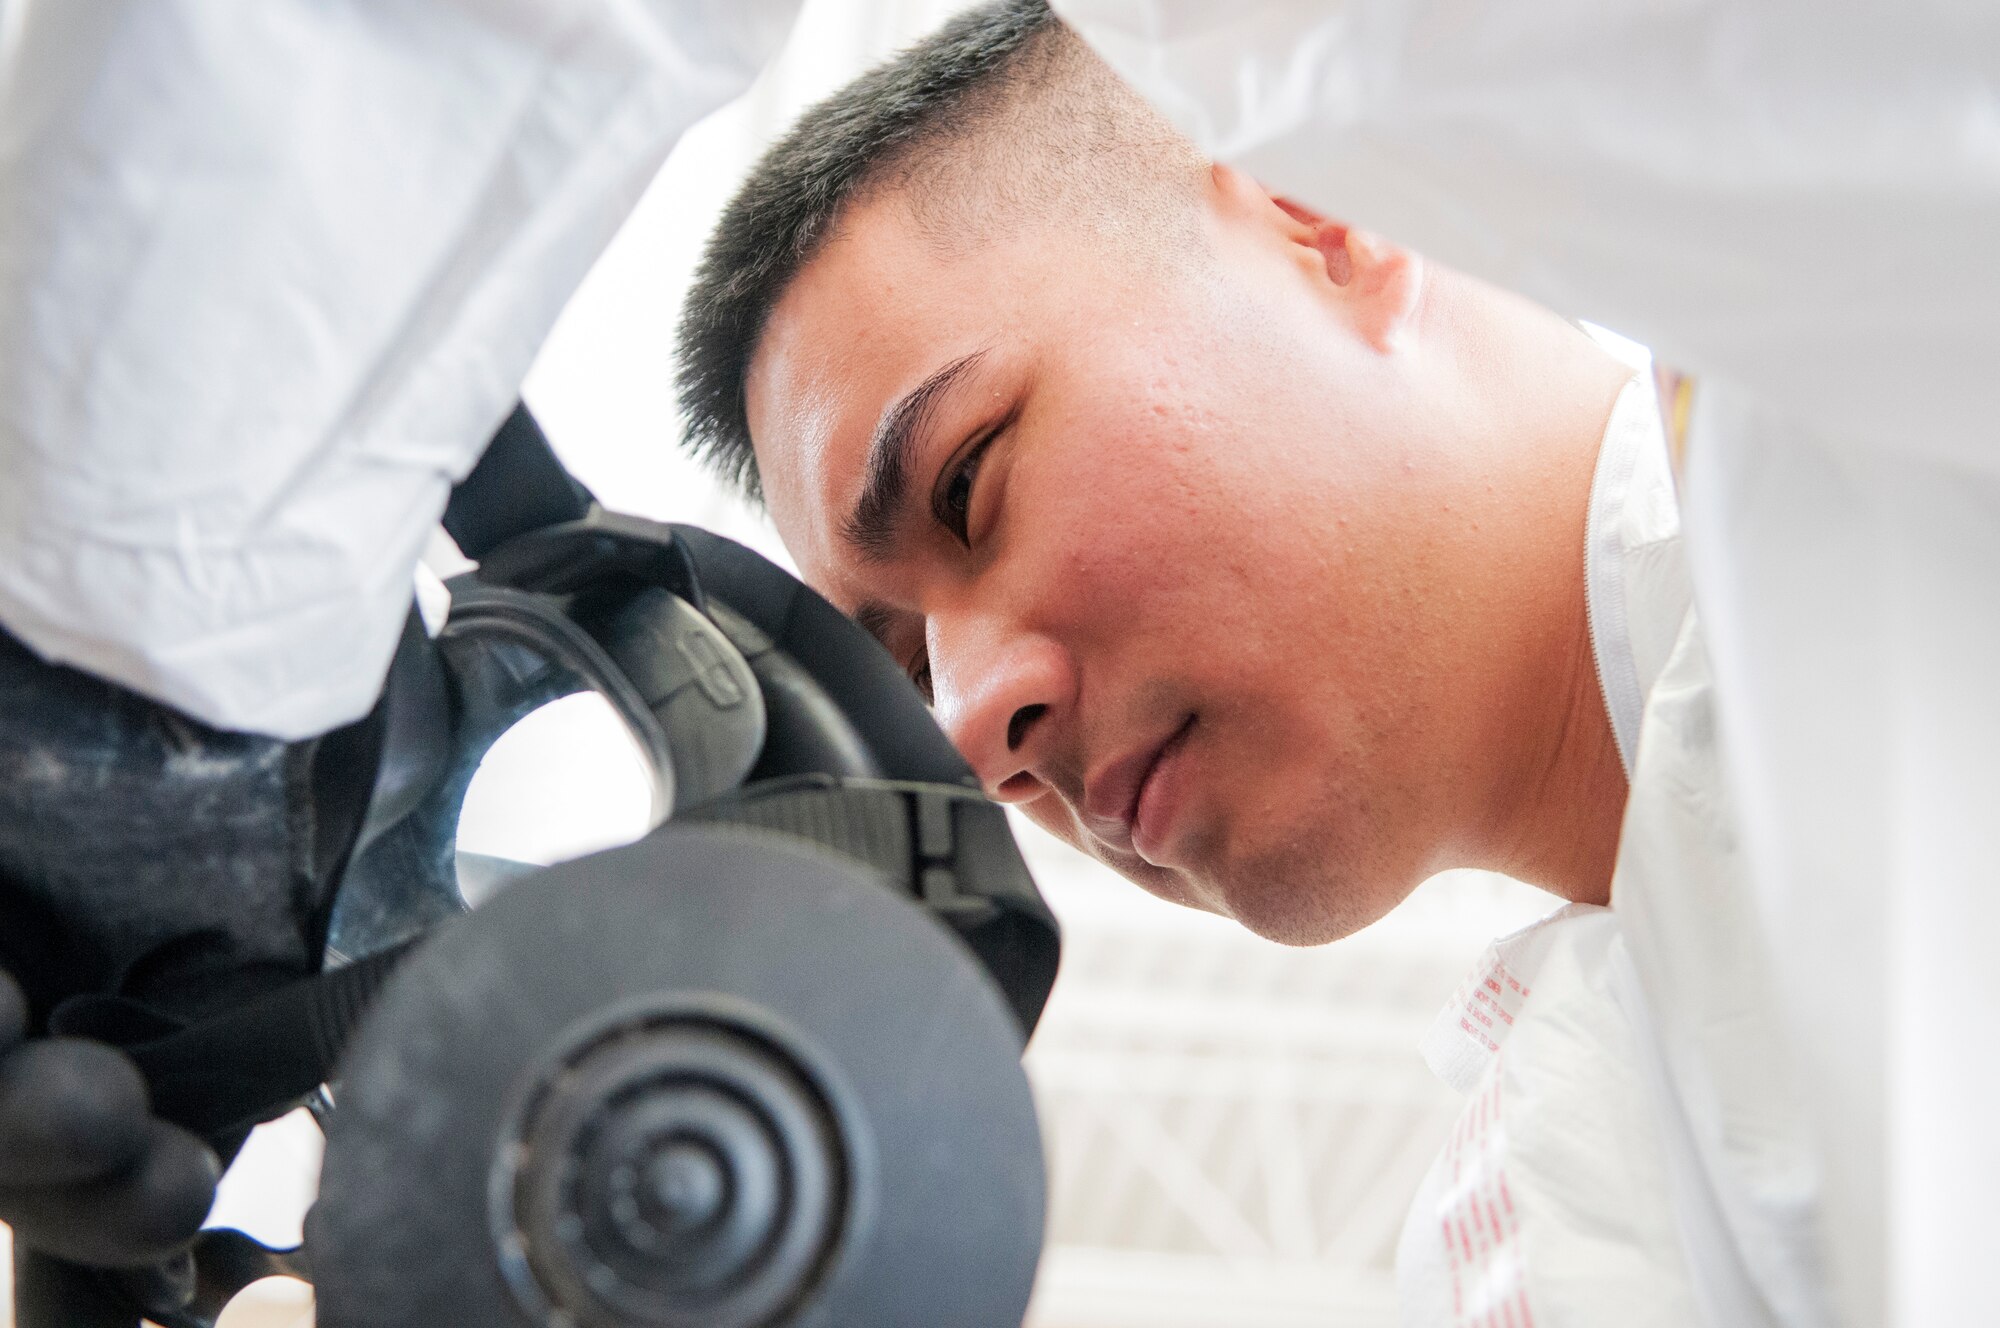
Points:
[[1558, 788], [1570, 798]]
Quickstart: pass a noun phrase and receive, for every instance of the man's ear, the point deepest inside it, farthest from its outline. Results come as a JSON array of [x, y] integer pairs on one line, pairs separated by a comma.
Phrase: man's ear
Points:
[[1382, 282], [1378, 283]]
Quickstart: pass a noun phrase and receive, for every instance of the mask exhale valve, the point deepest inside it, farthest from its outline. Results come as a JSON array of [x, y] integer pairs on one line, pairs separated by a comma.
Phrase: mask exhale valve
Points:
[[756, 1088]]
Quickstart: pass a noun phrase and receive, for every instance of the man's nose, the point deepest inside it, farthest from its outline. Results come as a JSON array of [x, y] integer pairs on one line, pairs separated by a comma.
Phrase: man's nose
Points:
[[1000, 694]]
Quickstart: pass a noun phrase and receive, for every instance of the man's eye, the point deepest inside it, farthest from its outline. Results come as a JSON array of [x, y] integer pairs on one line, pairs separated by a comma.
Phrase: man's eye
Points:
[[920, 674], [952, 505]]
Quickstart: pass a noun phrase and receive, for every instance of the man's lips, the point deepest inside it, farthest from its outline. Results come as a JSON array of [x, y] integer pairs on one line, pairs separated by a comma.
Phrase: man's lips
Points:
[[1111, 795], [1162, 795]]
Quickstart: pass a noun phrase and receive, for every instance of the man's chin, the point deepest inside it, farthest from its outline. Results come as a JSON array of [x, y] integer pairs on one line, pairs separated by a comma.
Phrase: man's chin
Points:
[[1301, 912], [1275, 901]]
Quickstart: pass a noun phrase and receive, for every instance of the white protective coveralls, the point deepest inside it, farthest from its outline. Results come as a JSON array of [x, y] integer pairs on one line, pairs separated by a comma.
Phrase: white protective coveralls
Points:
[[1568, 1193], [270, 276], [1797, 203]]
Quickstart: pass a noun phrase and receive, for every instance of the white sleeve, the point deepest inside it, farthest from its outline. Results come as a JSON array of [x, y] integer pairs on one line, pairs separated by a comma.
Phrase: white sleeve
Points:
[[1800, 198], [269, 277]]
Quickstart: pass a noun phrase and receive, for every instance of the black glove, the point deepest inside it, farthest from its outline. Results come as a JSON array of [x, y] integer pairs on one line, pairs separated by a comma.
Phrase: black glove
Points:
[[87, 1172]]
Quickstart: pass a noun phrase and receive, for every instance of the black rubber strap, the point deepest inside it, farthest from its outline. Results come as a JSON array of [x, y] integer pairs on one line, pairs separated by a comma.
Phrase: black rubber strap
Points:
[[518, 486], [249, 1065]]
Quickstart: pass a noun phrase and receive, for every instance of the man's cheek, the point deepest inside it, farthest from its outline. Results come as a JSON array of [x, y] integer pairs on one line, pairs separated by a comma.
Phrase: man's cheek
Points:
[[1121, 539]]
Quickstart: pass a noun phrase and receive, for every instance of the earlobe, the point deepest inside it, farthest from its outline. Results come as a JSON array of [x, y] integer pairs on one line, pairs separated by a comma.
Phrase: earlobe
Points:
[[1386, 288]]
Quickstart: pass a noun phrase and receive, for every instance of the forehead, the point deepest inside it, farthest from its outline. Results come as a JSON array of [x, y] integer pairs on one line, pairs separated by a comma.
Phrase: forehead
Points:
[[882, 306]]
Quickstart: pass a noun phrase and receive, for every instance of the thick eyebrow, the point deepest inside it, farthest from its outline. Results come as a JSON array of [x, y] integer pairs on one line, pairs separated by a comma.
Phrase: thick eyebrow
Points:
[[871, 527]]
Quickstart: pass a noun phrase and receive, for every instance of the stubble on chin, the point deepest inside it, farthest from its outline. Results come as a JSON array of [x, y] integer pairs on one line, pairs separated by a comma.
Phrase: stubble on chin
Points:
[[1309, 892]]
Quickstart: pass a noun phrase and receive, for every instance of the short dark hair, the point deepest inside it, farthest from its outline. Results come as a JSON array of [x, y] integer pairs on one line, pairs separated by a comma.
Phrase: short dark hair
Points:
[[875, 132]]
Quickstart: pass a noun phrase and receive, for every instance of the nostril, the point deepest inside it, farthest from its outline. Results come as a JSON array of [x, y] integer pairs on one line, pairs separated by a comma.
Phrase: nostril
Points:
[[1018, 726], [1015, 788]]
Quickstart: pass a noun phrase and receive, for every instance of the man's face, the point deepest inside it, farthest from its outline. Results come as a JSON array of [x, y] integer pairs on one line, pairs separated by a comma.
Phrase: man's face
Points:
[[1180, 541]]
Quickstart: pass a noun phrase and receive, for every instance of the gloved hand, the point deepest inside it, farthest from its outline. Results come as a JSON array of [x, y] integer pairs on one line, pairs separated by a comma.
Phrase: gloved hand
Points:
[[87, 1173]]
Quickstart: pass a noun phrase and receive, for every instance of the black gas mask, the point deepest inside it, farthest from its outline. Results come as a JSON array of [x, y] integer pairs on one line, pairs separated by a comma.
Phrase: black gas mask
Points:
[[759, 1069]]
